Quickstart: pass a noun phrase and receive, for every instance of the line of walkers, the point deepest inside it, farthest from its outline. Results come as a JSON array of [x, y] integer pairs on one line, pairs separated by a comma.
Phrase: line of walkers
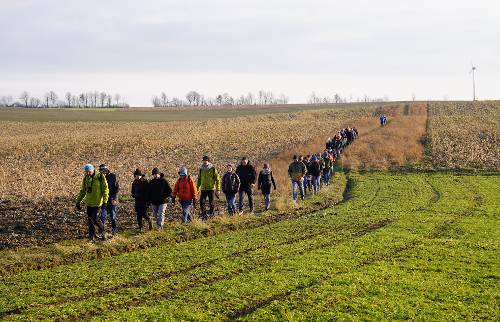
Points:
[[100, 189], [308, 173]]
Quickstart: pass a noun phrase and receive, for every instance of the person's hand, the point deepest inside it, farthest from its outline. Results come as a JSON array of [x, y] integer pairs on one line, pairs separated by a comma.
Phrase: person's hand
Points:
[[114, 202], [78, 206], [252, 185], [217, 194]]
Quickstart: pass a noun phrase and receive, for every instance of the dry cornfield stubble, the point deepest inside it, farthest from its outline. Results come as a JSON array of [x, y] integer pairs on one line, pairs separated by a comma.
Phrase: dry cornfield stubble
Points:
[[465, 134], [43, 161]]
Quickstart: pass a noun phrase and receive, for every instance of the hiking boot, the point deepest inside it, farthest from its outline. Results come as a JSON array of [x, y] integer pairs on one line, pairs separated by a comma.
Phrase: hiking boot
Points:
[[103, 237]]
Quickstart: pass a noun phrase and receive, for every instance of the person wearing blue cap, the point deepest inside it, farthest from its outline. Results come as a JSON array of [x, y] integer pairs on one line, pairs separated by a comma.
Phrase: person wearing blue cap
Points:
[[95, 191], [314, 170]]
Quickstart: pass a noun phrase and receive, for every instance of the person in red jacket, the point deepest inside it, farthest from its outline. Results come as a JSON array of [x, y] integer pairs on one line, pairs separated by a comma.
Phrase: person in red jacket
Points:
[[185, 190]]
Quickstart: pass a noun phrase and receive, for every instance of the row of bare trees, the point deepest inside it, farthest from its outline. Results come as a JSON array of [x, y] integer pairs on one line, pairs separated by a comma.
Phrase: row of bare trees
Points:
[[336, 99], [193, 98], [93, 99]]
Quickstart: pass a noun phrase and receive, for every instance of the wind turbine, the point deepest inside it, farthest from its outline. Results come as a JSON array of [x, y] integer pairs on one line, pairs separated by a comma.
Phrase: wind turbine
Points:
[[473, 72]]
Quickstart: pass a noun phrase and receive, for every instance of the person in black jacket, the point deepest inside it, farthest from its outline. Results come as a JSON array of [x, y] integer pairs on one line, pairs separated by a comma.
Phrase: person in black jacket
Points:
[[159, 194], [230, 187], [140, 195], [111, 207], [314, 170], [266, 183], [248, 176]]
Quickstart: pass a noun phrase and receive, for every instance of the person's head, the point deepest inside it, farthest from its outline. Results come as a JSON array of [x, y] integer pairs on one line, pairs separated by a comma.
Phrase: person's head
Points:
[[229, 167], [138, 174], [206, 160], [314, 158], [88, 169], [103, 169], [155, 173], [295, 158], [244, 161], [266, 165], [183, 172]]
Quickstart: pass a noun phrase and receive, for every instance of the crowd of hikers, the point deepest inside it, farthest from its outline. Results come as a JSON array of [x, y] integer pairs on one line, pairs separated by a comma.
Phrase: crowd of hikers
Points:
[[101, 188]]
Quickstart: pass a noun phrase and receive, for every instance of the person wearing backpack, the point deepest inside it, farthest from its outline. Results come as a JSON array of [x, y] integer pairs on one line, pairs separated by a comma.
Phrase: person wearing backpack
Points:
[[297, 170], [140, 194], [265, 184], [185, 191], [208, 183], [95, 191], [230, 187], [110, 207], [159, 193], [248, 177]]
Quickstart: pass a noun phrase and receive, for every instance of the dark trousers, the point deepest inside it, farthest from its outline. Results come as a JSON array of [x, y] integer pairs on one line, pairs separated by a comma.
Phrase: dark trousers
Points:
[[142, 213], [249, 192], [92, 215], [203, 197]]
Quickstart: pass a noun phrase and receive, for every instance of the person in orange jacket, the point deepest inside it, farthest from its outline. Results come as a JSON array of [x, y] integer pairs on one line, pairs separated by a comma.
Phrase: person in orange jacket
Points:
[[185, 190]]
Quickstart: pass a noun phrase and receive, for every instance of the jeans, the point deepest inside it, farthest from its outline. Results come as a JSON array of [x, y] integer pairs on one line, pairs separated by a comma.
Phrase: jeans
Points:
[[159, 213], [300, 185], [267, 200], [112, 211], [316, 183], [141, 210], [231, 202], [248, 191], [186, 214], [203, 197], [92, 213], [326, 177]]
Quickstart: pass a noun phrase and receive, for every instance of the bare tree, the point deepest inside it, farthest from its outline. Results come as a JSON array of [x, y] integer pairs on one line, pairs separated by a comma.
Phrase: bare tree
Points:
[[35, 102], [69, 99], [5, 101], [164, 99], [156, 101], [117, 99], [25, 97]]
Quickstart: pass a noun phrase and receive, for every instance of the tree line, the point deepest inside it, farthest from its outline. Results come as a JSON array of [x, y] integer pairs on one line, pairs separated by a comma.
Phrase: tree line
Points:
[[193, 98], [92, 99]]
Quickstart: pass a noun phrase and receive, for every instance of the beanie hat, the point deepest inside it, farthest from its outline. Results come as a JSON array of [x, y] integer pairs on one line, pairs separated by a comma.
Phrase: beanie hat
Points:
[[266, 165], [182, 171], [138, 172], [155, 171], [314, 158], [88, 167], [206, 158]]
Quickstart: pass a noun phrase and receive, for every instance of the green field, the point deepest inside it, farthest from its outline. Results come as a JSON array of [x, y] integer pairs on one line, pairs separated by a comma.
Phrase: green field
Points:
[[401, 246], [152, 115]]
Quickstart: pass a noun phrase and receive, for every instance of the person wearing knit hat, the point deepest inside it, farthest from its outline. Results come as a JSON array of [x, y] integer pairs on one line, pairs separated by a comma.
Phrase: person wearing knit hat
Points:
[[159, 194], [140, 194], [265, 184], [94, 190], [185, 191]]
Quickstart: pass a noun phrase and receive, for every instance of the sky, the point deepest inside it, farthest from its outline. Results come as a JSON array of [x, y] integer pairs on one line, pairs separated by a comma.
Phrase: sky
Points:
[[354, 48]]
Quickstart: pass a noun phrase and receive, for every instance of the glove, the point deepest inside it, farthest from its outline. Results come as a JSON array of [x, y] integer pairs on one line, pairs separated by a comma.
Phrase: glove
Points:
[[78, 206]]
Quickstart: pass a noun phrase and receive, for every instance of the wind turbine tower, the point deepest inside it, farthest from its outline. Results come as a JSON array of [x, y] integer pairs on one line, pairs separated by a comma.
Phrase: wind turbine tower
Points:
[[473, 72]]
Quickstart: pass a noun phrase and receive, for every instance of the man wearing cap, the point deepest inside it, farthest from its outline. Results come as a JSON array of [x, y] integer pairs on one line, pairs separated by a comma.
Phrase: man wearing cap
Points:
[[185, 191], [95, 192], [140, 195], [111, 206], [208, 183], [159, 191], [248, 176]]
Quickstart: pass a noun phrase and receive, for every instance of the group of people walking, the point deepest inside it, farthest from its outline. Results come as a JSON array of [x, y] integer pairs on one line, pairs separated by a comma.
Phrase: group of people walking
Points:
[[100, 189], [309, 173]]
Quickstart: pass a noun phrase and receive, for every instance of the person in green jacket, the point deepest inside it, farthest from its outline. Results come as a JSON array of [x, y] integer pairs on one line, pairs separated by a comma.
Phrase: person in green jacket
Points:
[[208, 184], [96, 192], [297, 170]]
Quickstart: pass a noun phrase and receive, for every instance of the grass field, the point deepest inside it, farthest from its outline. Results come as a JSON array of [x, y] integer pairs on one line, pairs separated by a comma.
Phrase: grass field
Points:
[[401, 246], [407, 231]]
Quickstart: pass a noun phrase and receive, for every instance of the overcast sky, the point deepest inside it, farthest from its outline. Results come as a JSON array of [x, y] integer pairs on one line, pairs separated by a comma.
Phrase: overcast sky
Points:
[[139, 48]]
